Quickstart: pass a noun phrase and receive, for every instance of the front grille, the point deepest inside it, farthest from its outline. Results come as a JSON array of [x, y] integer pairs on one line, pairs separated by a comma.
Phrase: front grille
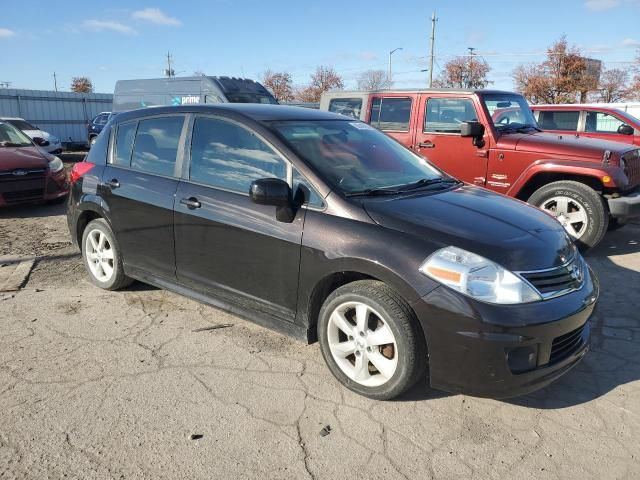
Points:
[[567, 344], [632, 167], [29, 185], [557, 281], [22, 196]]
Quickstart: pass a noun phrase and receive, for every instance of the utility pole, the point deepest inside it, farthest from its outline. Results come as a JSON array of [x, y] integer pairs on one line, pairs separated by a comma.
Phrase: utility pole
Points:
[[470, 82], [433, 39], [55, 81], [169, 72]]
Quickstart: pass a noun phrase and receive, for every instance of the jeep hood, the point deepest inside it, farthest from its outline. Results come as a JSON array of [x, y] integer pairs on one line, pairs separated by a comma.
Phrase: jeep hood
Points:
[[515, 235], [561, 145]]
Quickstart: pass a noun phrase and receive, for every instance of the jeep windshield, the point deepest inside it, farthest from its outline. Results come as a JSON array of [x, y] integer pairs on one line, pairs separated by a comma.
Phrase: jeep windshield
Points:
[[510, 113], [357, 159], [12, 137]]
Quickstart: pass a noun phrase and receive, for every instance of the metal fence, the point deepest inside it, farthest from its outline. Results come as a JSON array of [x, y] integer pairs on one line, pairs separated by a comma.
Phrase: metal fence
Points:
[[63, 114]]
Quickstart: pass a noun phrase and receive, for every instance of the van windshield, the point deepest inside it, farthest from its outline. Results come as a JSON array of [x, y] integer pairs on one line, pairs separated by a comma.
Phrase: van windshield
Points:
[[356, 158], [248, 97], [509, 113]]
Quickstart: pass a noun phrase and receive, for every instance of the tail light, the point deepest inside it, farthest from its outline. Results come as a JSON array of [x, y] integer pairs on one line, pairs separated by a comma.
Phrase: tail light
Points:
[[79, 170]]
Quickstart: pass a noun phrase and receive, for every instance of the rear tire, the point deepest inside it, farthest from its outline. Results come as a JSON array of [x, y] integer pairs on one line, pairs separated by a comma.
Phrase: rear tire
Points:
[[580, 209], [101, 256], [371, 340]]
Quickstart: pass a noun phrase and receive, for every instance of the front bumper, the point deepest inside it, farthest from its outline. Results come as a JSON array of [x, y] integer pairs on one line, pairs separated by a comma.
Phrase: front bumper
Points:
[[470, 342], [627, 206]]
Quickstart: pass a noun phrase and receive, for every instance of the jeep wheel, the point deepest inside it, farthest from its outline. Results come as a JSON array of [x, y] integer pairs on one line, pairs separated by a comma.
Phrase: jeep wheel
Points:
[[579, 208], [371, 340]]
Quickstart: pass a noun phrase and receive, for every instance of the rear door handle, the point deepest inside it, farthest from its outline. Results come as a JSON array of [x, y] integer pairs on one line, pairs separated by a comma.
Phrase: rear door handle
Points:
[[191, 203], [113, 183], [426, 145]]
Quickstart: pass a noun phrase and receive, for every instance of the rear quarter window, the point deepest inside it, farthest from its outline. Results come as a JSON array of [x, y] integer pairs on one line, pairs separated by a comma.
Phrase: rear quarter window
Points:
[[125, 135], [391, 114], [350, 107]]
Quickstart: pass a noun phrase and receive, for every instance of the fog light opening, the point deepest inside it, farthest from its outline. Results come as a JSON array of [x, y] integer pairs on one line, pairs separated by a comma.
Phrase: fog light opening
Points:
[[523, 359]]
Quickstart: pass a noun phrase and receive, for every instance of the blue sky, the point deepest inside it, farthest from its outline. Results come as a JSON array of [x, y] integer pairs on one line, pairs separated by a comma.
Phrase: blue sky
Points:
[[115, 39]]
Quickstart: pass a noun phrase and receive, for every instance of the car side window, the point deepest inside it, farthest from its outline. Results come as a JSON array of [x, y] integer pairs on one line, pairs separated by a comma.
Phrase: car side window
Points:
[[391, 114], [600, 122], [346, 106], [156, 145], [125, 135], [558, 120], [311, 197], [228, 156], [444, 115]]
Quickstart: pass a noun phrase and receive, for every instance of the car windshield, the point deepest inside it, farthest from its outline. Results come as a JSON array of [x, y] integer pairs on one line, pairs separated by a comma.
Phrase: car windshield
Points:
[[21, 125], [509, 113], [356, 158], [12, 137], [247, 97]]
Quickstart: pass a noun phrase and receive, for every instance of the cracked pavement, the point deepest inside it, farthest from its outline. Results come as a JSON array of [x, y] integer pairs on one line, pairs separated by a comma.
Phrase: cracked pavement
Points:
[[97, 384]]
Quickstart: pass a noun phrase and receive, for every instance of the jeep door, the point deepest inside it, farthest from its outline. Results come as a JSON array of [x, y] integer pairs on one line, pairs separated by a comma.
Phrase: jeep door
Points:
[[138, 186], [227, 246], [437, 137]]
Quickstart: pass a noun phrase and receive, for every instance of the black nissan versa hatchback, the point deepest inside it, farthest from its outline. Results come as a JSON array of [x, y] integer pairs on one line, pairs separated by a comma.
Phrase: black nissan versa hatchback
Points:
[[326, 229]]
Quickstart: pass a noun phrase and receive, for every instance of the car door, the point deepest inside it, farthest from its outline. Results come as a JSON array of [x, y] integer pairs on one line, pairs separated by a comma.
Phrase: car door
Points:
[[392, 114], [227, 246], [138, 186], [438, 137], [605, 125]]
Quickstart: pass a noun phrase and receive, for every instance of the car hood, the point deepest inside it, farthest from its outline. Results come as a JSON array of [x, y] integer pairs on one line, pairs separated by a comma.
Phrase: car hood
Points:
[[22, 158], [561, 145], [515, 235], [42, 134]]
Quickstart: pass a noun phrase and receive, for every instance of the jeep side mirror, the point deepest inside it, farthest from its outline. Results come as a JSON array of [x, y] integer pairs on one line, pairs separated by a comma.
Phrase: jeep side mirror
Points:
[[276, 192], [41, 142], [475, 130], [625, 129]]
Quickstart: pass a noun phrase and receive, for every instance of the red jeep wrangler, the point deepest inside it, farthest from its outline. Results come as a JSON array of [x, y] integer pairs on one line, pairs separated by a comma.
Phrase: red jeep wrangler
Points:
[[490, 138]]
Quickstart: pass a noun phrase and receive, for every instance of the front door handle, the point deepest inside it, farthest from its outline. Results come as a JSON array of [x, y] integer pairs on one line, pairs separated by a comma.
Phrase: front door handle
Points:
[[113, 183], [426, 144], [191, 203]]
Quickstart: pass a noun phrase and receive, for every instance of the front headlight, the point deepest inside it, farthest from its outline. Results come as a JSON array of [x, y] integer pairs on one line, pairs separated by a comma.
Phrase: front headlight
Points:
[[55, 165], [477, 277]]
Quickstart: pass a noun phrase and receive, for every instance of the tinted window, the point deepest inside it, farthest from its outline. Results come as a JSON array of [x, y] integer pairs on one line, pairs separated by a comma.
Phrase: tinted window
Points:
[[346, 106], [124, 143], [311, 196], [156, 145], [446, 114], [555, 120], [22, 125], [602, 123], [392, 114], [226, 155]]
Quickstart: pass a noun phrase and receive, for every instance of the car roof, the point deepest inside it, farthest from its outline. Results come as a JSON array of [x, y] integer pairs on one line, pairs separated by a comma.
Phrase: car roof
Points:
[[12, 118], [421, 90], [253, 111]]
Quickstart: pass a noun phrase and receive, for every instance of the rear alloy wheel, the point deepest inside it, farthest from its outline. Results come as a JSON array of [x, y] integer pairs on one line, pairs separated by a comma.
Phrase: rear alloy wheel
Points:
[[102, 257], [371, 340], [580, 209]]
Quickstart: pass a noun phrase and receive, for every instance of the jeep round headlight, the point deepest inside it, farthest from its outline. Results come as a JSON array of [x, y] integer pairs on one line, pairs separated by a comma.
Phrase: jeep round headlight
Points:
[[477, 277], [55, 165]]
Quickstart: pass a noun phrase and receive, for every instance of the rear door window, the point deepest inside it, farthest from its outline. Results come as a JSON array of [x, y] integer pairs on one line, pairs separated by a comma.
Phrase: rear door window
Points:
[[391, 114], [444, 115], [156, 145], [229, 156], [125, 136], [350, 107], [600, 122], [559, 120]]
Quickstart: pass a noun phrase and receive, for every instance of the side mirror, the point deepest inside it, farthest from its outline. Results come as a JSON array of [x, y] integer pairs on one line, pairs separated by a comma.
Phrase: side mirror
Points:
[[625, 129], [41, 142], [276, 192], [475, 130]]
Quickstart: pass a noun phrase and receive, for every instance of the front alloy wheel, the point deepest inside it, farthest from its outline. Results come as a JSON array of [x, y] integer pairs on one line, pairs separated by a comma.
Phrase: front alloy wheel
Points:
[[570, 213]]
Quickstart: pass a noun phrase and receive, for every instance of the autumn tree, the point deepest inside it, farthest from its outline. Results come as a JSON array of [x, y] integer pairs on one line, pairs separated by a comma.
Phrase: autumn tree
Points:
[[634, 90], [322, 80], [613, 86], [81, 85], [374, 80], [464, 72], [279, 84], [560, 78]]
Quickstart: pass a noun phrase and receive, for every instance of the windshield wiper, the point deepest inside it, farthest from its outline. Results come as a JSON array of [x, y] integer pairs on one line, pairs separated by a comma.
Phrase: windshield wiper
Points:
[[372, 192], [11, 144], [426, 182], [521, 129]]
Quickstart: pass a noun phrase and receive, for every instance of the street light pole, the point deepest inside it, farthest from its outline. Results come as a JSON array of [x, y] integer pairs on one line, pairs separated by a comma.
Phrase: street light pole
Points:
[[391, 53]]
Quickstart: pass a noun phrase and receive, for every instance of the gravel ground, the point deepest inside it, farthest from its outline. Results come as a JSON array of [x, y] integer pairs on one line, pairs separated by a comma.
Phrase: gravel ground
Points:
[[97, 384]]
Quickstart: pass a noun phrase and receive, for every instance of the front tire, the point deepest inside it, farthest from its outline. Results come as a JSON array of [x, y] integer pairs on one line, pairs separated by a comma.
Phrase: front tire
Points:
[[371, 340], [101, 256], [579, 208]]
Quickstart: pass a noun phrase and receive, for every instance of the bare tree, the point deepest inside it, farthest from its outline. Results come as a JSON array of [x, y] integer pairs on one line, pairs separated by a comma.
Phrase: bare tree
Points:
[[464, 72], [81, 85], [613, 86], [279, 84], [634, 90], [374, 80]]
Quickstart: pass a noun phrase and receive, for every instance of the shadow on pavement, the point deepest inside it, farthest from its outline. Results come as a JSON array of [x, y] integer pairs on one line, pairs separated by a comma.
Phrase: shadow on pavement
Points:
[[34, 210]]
